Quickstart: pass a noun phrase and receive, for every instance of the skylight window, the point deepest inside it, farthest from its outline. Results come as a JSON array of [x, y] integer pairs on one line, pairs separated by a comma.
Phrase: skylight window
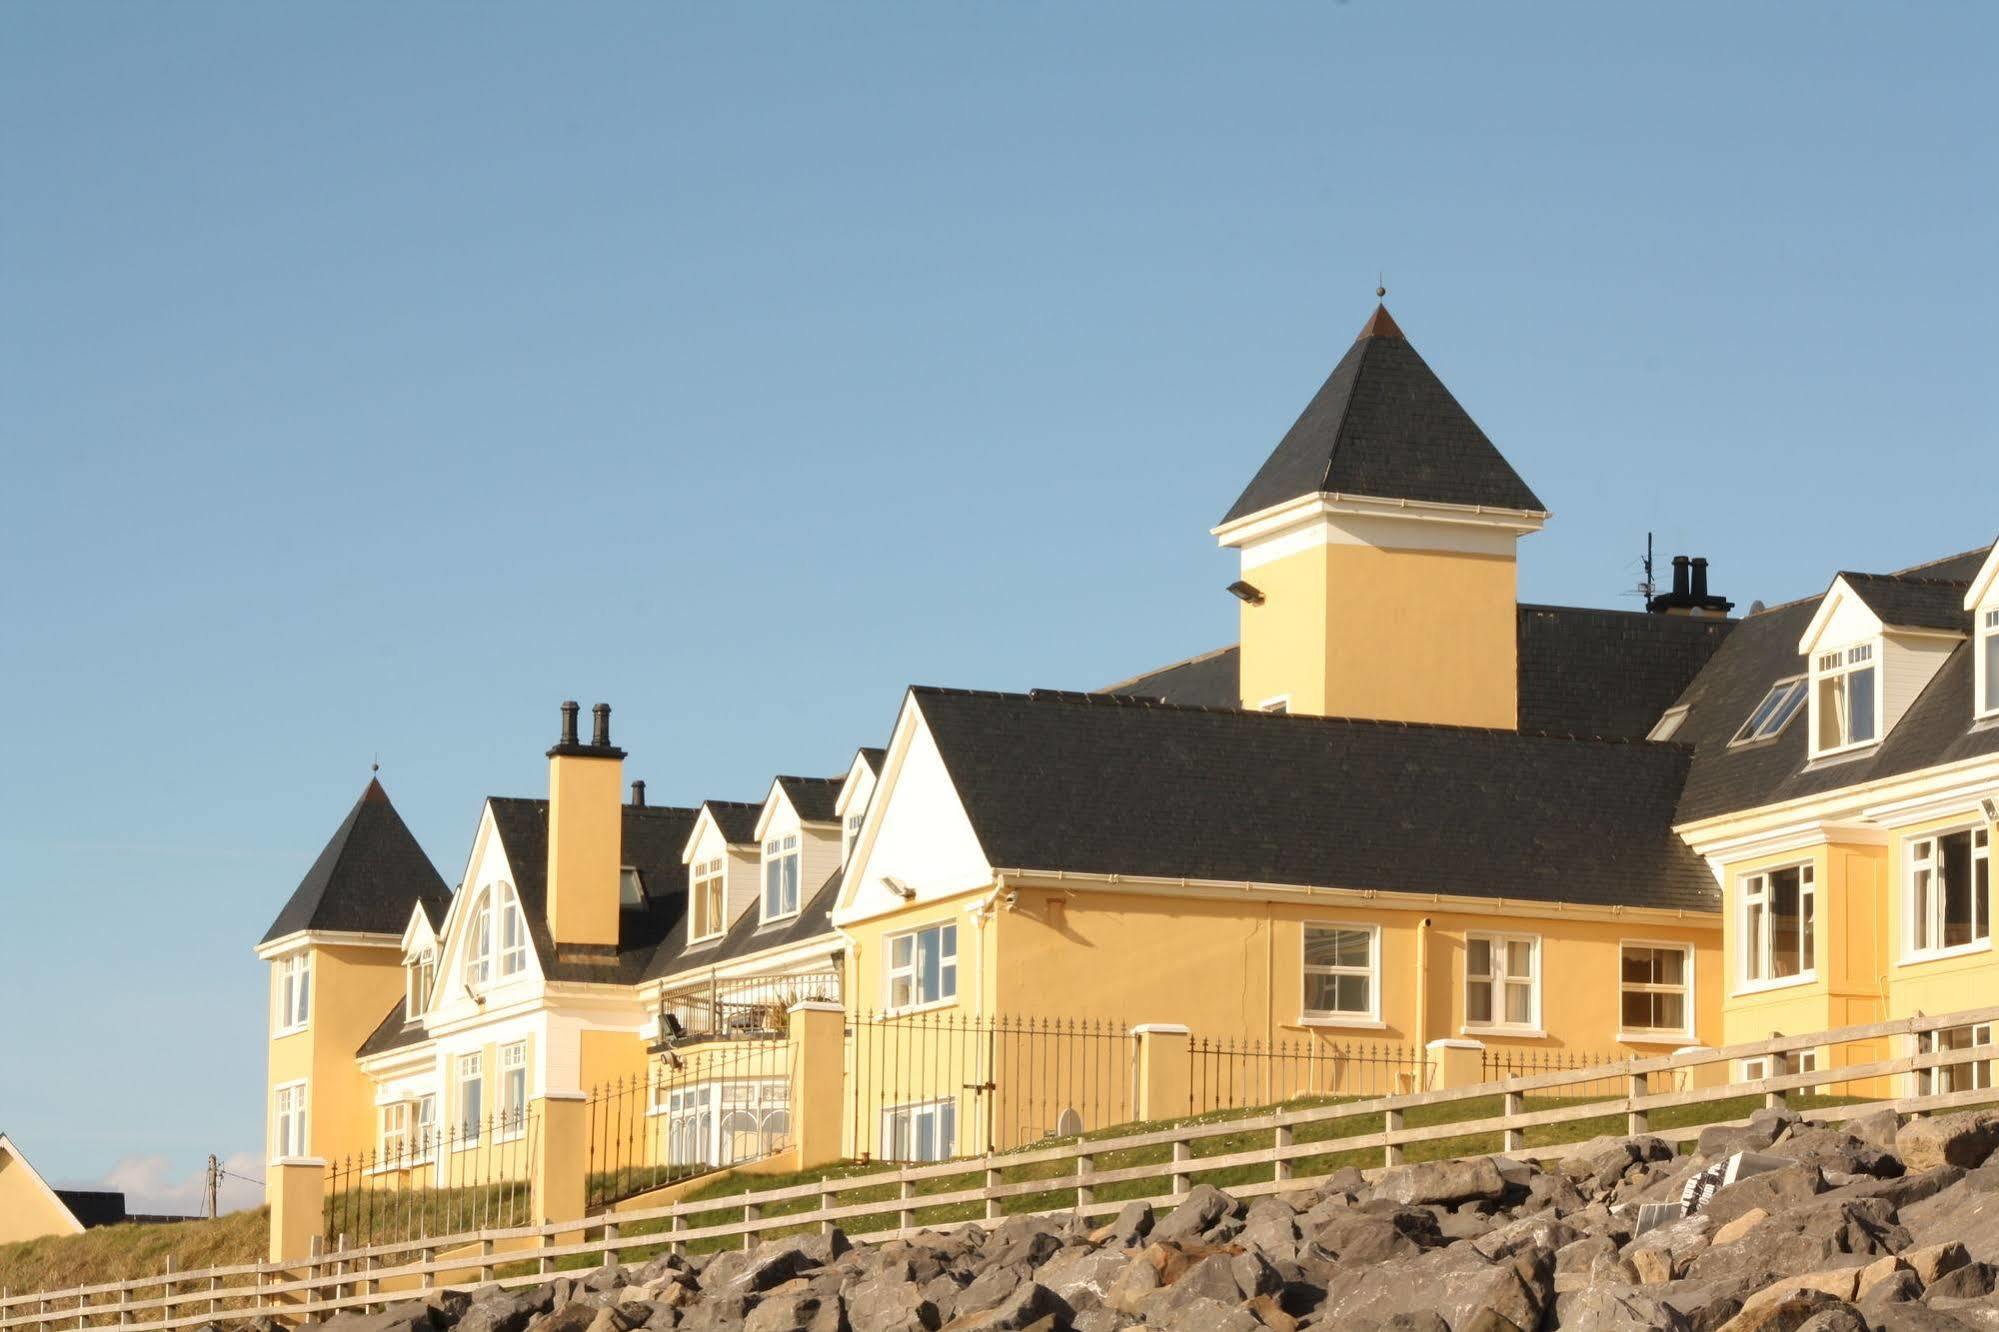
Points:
[[631, 892], [1668, 724], [1774, 712]]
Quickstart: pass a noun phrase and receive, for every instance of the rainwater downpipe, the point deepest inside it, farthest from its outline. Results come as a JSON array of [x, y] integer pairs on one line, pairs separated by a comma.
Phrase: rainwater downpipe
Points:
[[1422, 986]]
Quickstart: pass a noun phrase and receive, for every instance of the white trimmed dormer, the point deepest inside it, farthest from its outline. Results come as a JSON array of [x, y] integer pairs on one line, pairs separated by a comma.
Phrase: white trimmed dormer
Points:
[[1873, 647], [420, 948], [799, 834], [484, 952], [1983, 603], [855, 794], [721, 872]]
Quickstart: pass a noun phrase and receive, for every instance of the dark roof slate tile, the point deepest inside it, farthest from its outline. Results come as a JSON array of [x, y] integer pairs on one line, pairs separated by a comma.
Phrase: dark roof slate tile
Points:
[[367, 878]]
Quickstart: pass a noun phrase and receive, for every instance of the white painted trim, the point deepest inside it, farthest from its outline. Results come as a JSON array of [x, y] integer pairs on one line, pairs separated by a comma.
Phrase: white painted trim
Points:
[[1455, 1043], [298, 939], [1337, 1024], [1691, 992], [1161, 1029], [1499, 1027], [1985, 583], [1372, 1017], [1267, 522], [1704, 835]]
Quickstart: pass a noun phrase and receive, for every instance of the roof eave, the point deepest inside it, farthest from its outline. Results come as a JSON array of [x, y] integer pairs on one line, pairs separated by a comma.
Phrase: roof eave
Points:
[[1282, 517]]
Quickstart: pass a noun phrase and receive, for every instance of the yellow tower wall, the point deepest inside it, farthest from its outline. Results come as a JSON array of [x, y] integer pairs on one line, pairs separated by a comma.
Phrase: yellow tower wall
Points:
[[352, 989]]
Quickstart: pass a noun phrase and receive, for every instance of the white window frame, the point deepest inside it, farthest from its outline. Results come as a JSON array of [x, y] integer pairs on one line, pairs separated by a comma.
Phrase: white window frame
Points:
[[291, 1121], [850, 833], [1754, 891], [710, 919], [469, 1070], [1279, 706], [911, 971], [943, 1135], [394, 1146], [1774, 712], [513, 1102], [1986, 663], [1841, 664], [1497, 981], [1687, 990], [1920, 858], [1975, 1076], [1324, 1017], [294, 995], [783, 868], [496, 946], [417, 985], [1754, 1069]]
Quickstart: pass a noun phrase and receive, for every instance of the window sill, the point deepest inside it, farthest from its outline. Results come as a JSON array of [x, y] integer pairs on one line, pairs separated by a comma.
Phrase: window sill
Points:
[[763, 920], [470, 1145], [1783, 983], [909, 1009], [1676, 1039], [1833, 757], [1920, 956], [1528, 1033], [1337, 1021], [299, 1030]]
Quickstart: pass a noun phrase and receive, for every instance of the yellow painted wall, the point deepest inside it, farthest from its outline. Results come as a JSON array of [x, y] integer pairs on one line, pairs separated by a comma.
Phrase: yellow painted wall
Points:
[[1939, 985], [1406, 635], [352, 989], [612, 1056], [26, 1211], [585, 848]]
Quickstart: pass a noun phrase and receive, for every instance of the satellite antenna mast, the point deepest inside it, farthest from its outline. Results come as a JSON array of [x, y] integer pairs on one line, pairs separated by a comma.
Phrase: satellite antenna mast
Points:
[[1647, 587]]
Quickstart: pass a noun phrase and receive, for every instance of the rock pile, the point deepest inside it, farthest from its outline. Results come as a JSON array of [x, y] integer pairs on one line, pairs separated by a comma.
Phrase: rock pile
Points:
[[1869, 1227]]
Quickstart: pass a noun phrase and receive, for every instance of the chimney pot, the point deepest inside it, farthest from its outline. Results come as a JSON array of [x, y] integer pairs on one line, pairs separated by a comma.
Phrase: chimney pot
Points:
[[1700, 578], [569, 711], [600, 726], [1680, 563], [639, 793]]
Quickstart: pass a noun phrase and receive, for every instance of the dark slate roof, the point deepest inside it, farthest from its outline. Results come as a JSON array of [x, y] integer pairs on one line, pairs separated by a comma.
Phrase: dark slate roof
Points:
[[1607, 672], [874, 758], [1902, 602], [368, 877], [393, 1033], [1762, 650], [813, 797], [747, 935], [1090, 783], [93, 1207], [654, 836], [736, 818], [1383, 425], [1211, 680]]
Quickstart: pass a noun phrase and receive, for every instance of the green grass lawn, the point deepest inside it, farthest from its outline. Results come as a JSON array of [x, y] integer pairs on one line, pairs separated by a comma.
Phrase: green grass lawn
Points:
[[119, 1253]]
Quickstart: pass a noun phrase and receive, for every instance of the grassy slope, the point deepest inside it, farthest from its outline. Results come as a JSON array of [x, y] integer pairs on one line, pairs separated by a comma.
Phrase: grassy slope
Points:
[[116, 1253]]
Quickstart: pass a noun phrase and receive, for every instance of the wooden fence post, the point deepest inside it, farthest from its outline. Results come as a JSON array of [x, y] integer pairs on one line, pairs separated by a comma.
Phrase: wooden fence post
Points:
[[611, 1233], [1086, 1192], [1391, 1122], [993, 1208], [905, 1216], [1183, 1152], [827, 1199], [1513, 1139], [751, 1212], [1636, 1121]]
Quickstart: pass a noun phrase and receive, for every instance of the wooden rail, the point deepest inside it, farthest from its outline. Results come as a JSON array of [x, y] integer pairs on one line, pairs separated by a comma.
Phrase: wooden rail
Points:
[[372, 1276]]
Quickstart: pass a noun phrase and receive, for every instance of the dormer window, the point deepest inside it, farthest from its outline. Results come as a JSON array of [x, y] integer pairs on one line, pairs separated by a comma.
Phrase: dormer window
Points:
[[709, 878], [631, 889], [1988, 663], [852, 834], [1774, 713], [499, 934], [781, 877], [422, 976], [1846, 699]]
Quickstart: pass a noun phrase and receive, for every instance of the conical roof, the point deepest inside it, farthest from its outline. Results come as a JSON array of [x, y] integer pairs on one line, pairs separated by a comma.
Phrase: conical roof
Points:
[[368, 877], [1385, 427]]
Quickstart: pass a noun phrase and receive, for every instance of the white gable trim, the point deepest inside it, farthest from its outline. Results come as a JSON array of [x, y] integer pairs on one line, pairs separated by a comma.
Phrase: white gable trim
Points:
[[299, 940], [776, 805], [451, 1000], [418, 934], [1842, 620], [860, 778], [705, 820], [1985, 587]]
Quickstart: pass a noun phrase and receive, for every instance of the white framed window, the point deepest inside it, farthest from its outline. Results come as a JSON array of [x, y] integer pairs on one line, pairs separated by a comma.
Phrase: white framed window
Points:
[[723, 1123], [850, 835], [1503, 981], [1655, 989], [498, 927], [1341, 962], [471, 1069], [513, 1089], [1954, 1077], [1846, 700], [924, 1132], [425, 1141], [394, 1139], [1752, 1070], [781, 877], [1988, 663], [923, 966], [1804, 1061], [294, 992], [289, 1136], [421, 977], [710, 909], [1950, 891], [1779, 925], [1769, 717]]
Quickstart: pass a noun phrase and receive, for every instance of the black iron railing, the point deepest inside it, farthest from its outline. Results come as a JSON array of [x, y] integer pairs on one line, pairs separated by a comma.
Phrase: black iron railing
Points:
[[696, 1109], [1228, 1074], [425, 1179]]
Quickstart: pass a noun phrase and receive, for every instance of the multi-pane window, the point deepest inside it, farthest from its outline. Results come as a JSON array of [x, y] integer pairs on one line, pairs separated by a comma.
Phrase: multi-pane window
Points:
[[422, 975], [1846, 698], [1653, 984], [395, 1137], [497, 920], [471, 1097], [288, 1126], [1773, 714], [1339, 971], [1777, 924], [513, 933], [1988, 662], [294, 991], [708, 900], [927, 1132], [853, 835], [513, 1088], [923, 966], [1950, 890], [426, 1126], [724, 1123], [781, 877], [1502, 980], [1954, 1077]]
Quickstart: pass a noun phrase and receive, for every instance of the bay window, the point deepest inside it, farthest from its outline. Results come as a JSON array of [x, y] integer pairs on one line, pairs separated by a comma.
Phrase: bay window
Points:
[[1778, 910], [1339, 971], [1950, 890], [1954, 1077], [1502, 981], [923, 966], [1845, 699], [1654, 986]]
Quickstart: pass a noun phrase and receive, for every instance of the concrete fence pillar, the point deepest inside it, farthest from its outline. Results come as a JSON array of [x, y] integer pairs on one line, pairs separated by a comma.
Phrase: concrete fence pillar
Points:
[[295, 1187], [1456, 1062], [559, 1184], [818, 1035], [1165, 1066]]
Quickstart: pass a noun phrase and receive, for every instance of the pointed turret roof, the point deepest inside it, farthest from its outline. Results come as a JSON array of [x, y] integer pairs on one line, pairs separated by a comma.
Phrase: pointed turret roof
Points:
[[1385, 427], [368, 877]]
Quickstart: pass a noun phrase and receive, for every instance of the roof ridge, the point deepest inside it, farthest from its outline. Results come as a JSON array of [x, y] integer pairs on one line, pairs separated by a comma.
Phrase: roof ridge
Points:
[[1144, 702], [1908, 580], [1346, 408], [1624, 610], [1209, 655], [1945, 559]]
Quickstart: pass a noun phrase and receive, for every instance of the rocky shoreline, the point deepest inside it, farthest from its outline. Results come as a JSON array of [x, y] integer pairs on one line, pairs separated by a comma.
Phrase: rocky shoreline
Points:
[[1873, 1226]]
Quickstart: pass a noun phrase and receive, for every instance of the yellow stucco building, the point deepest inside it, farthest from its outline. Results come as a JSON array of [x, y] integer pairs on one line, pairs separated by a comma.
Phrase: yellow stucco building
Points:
[[1403, 812]]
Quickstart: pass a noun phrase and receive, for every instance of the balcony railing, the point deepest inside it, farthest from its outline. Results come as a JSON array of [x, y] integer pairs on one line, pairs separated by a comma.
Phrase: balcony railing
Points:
[[742, 1007]]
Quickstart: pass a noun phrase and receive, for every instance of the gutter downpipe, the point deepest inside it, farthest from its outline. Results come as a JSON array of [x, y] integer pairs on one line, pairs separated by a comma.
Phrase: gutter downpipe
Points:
[[1423, 986]]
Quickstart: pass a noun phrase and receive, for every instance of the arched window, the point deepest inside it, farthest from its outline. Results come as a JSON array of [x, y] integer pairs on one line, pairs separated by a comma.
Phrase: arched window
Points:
[[498, 929]]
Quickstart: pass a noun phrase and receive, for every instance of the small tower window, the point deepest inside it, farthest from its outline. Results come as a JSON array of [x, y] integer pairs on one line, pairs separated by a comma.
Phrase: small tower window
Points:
[[294, 992]]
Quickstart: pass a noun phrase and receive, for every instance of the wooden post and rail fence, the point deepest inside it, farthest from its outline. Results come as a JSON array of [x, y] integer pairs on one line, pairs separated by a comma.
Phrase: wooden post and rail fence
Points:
[[1258, 1153]]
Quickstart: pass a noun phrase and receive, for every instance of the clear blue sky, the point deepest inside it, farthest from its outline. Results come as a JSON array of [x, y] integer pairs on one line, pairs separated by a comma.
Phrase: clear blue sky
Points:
[[377, 376]]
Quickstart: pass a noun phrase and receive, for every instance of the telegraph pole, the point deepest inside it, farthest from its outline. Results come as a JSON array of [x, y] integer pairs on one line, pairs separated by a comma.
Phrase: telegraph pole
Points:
[[214, 1181]]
